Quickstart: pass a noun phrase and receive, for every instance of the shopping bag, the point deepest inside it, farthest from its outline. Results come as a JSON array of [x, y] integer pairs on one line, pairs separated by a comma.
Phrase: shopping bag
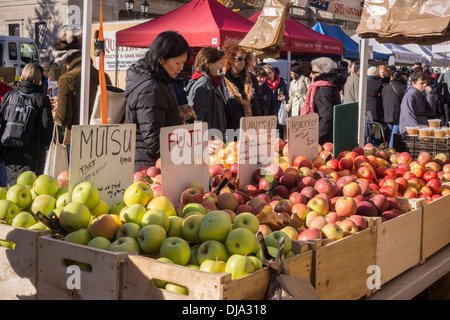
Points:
[[116, 103], [57, 159], [282, 114]]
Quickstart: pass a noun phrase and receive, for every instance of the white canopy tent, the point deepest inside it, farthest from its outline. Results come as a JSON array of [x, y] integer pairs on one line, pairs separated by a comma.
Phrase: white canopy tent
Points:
[[399, 54], [434, 59]]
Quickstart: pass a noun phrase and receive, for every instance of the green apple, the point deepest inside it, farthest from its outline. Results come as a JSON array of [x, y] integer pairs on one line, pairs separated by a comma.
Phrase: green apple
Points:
[[172, 287], [38, 226], [192, 207], [26, 178], [100, 209], [105, 225], [133, 213], [125, 244], [213, 266], [193, 257], [163, 203], [45, 184], [156, 216], [191, 227], [239, 265], [246, 220], [60, 192], [62, 200], [191, 214], [151, 237], [290, 254], [215, 225], [256, 262], [23, 220], [193, 266], [87, 193], [138, 192], [3, 192], [176, 249], [74, 216], [272, 251], [99, 243], [161, 283], [7, 244], [117, 207], [57, 211], [8, 210], [128, 229], [212, 250], [33, 193], [175, 224], [80, 236], [240, 241], [43, 203], [273, 240], [20, 195]]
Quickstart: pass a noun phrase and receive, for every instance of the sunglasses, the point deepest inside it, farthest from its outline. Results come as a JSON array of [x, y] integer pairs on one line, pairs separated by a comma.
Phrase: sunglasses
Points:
[[240, 59], [314, 72]]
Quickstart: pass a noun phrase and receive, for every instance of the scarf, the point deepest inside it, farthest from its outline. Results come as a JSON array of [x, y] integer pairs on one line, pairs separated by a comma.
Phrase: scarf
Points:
[[248, 90], [308, 107], [215, 80], [273, 85]]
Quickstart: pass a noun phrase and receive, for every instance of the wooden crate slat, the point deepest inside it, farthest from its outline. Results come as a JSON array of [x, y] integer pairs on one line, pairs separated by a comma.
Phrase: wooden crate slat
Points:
[[18, 267], [103, 282], [436, 226]]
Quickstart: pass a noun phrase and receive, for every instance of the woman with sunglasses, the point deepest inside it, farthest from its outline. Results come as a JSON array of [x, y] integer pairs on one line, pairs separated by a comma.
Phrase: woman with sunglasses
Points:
[[240, 87], [323, 94]]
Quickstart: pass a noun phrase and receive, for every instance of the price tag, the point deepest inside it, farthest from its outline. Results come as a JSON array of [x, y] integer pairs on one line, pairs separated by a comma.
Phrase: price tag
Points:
[[303, 136]]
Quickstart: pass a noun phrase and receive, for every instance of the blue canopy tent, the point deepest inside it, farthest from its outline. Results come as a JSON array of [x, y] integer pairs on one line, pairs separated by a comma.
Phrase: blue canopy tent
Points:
[[351, 48]]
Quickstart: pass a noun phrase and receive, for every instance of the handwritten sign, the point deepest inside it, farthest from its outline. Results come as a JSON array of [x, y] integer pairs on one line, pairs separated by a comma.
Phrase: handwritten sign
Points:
[[303, 136], [183, 151], [256, 138], [103, 155]]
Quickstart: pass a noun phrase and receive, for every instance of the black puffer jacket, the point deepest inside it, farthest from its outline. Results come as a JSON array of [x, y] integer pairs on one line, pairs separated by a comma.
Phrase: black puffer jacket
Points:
[[324, 101], [151, 105], [31, 157]]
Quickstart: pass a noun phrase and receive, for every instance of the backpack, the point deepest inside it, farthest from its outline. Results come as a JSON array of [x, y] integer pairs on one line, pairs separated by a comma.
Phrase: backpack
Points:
[[19, 119]]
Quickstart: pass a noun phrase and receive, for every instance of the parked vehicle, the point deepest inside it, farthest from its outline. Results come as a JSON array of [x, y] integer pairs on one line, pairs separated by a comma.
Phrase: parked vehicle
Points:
[[17, 52]]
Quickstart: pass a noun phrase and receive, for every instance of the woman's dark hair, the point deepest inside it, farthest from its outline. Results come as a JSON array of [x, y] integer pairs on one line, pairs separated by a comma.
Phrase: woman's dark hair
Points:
[[168, 44], [397, 75], [207, 56]]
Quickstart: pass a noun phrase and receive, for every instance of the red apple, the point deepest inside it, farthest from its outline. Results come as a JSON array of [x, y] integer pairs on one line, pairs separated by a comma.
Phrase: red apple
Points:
[[265, 230], [404, 157], [367, 209], [380, 202], [297, 160], [433, 166], [300, 210], [328, 146], [435, 185], [297, 197], [310, 234], [351, 190], [216, 169], [346, 163], [348, 226], [306, 182], [153, 171], [191, 195], [360, 221], [358, 150], [327, 186], [228, 201], [332, 217], [441, 158], [345, 206], [289, 180], [424, 157]]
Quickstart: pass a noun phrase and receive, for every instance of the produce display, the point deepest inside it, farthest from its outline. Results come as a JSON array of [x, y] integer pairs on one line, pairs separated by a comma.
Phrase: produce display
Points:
[[325, 198]]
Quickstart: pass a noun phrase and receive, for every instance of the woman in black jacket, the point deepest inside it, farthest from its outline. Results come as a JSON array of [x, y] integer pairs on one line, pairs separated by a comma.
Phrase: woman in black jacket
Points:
[[151, 100], [30, 157], [392, 96]]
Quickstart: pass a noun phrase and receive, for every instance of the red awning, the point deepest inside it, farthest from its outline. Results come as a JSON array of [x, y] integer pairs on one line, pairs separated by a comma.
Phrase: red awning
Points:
[[300, 39], [202, 23]]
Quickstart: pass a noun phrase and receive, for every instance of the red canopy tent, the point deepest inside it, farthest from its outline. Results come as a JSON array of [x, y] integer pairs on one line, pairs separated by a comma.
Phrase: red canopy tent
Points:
[[299, 39], [202, 23]]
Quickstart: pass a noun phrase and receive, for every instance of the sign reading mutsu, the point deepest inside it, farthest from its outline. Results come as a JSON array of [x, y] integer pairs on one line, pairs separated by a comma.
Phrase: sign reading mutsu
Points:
[[303, 136], [255, 146], [103, 155], [182, 158]]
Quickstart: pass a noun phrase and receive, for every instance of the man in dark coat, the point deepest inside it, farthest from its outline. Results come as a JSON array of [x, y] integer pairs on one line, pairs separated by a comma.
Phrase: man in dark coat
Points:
[[374, 102]]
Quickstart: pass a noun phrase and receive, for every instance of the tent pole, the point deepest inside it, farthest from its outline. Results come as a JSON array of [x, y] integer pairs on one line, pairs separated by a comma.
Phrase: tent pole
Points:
[[86, 62], [117, 65], [289, 69], [362, 93]]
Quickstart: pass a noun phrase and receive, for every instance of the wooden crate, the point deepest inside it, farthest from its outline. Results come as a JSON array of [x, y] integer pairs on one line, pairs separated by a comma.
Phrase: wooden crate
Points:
[[57, 282], [18, 266], [435, 226], [341, 267], [399, 241], [139, 272]]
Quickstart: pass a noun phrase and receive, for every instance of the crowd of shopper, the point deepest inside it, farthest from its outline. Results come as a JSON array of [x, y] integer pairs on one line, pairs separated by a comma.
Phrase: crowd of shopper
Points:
[[226, 84]]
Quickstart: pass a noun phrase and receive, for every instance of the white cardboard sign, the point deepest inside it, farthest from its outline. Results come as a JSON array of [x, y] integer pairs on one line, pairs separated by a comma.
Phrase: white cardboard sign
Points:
[[182, 158], [103, 155], [256, 140], [303, 136]]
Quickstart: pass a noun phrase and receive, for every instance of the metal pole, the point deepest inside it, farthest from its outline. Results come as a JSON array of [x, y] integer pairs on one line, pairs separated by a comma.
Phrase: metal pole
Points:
[[362, 94], [86, 62]]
